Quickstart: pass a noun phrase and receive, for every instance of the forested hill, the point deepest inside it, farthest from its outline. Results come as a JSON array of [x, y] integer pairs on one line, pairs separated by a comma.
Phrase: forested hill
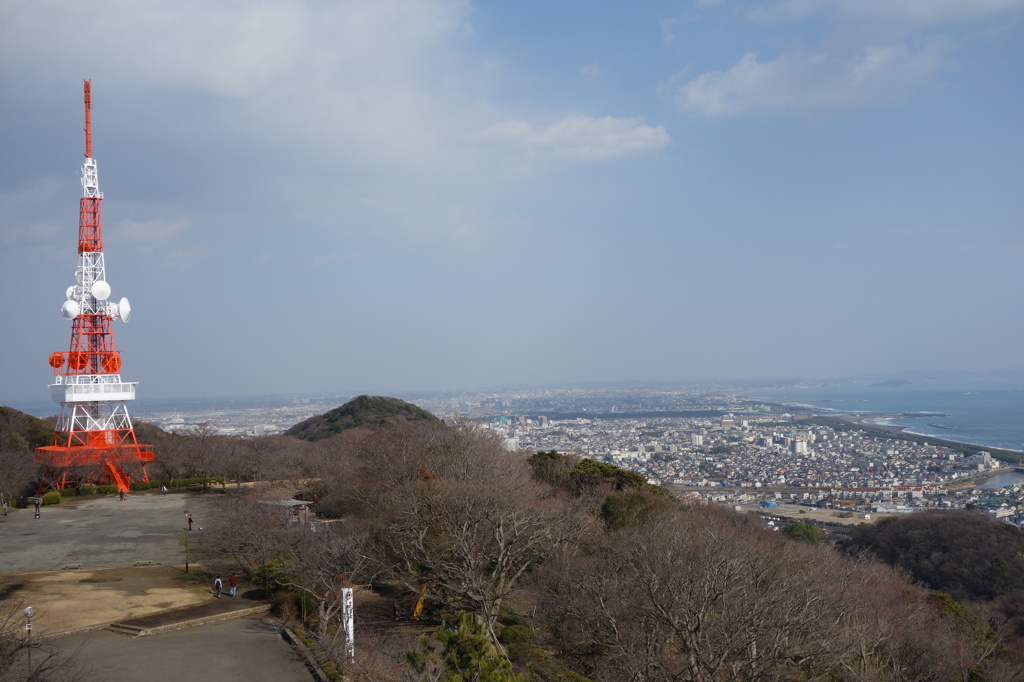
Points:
[[366, 410], [971, 556], [21, 432]]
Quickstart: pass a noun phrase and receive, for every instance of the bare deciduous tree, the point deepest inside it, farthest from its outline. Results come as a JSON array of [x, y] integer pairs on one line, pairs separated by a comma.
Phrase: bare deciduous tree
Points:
[[325, 561], [462, 513], [246, 529], [703, 595], [48, 662], [17, 470]]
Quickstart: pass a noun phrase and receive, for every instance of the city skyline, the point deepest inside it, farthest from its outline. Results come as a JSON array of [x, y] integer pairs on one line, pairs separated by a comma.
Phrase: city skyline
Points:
[[303, 197]]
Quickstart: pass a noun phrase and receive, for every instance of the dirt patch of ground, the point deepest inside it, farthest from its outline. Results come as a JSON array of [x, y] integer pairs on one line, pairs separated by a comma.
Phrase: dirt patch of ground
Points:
[[800, 513], [70, 600]]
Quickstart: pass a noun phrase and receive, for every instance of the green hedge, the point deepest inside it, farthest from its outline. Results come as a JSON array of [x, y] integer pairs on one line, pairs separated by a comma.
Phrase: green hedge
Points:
[[136, 486], [145, 485], [52, 497], [184, 482]]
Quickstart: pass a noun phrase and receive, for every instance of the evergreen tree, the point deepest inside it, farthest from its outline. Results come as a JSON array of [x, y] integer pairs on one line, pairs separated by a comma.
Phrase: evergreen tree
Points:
[[466, 655]]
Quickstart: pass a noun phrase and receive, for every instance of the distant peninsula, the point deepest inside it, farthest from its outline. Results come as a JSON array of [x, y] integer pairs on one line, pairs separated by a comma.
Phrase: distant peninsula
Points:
[[892, 383]]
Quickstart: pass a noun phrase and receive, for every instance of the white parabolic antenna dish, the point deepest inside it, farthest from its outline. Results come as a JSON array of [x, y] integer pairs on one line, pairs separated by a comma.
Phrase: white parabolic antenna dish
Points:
[[69, 310], [124, 310], [100, 290], [71, 292]]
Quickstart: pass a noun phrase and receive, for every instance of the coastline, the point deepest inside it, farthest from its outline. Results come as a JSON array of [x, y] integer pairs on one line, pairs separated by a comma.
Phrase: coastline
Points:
[[976, 415], [970, 482], [862, 422], [1011, 459]]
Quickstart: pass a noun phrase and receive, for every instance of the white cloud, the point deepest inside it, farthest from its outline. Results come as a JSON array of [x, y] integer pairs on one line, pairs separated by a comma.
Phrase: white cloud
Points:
[[876, 52], [877, 75], [349, 73], [186, 259], [667, 30], [921, 12], [231, 48], [21, 227], [590, 72], [581, 137], [345, 112], [146, 236]]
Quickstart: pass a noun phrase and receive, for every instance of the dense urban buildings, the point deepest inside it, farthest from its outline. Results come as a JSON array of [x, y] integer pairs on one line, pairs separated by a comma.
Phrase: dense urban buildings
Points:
[[707, 444]]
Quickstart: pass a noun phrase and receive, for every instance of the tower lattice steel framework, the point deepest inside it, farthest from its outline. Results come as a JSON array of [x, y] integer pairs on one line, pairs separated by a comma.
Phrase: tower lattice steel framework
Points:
[[93, 439]]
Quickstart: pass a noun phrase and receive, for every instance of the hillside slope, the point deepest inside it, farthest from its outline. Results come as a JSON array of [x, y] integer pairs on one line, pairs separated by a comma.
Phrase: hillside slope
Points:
[[21, 432]]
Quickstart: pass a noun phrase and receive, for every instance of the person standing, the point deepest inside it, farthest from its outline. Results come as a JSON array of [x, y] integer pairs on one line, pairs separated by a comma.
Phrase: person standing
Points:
[[217, 587], [232, 584], [163, 490], [190, 522]]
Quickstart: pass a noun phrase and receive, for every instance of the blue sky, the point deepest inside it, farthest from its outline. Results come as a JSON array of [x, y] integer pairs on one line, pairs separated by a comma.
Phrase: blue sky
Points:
[[383, 196]]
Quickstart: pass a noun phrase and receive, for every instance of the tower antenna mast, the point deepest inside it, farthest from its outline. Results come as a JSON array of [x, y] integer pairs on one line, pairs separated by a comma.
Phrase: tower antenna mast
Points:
[[88, 119], [93, 440]]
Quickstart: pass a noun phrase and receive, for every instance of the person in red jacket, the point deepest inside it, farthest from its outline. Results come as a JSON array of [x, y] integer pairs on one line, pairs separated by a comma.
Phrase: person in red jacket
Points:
[[232, 584]]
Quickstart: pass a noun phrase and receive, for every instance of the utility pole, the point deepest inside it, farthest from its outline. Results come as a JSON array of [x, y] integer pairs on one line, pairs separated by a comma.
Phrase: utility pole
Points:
[[188, 522]]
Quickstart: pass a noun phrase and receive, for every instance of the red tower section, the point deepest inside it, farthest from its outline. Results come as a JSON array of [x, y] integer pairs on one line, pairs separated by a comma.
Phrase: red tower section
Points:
[[93, 440]]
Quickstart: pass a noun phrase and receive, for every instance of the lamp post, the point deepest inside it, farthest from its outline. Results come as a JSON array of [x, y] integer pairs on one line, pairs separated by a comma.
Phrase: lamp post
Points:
[[187, 524], [29, 612]]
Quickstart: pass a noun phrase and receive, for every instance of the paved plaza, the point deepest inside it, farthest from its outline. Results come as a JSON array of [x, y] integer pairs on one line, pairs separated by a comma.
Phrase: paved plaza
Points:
[[96, 560], [249, 649], [100, 532]]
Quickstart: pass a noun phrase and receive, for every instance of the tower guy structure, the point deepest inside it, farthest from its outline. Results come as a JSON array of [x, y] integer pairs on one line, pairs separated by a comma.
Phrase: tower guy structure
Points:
[[93, 439]]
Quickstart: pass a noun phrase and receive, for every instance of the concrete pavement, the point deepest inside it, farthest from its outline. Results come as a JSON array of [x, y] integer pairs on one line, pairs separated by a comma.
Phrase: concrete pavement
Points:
[[78, 565], [100, 532], [249, 649]]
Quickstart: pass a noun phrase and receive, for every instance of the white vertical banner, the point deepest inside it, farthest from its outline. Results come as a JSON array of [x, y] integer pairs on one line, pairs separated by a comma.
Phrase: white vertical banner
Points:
[[348, 620]]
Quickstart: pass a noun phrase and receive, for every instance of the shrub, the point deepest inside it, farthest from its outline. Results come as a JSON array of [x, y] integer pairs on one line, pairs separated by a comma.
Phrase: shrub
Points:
[[512, 634], [184, 482], [589, 473], [52, 497], [804, 532], [106, 489], [273, 574], [636, 507]]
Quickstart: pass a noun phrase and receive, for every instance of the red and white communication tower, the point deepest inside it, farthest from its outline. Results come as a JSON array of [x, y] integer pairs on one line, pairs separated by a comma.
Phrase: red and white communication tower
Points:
[[93, 440]]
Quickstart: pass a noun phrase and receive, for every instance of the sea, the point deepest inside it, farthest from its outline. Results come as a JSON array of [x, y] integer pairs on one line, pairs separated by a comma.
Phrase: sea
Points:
[[988, 414], [983, 412]]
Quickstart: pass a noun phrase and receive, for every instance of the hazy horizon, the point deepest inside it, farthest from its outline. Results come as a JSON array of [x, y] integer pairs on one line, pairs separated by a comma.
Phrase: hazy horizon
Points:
[[1008, 379], [303, 196]]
